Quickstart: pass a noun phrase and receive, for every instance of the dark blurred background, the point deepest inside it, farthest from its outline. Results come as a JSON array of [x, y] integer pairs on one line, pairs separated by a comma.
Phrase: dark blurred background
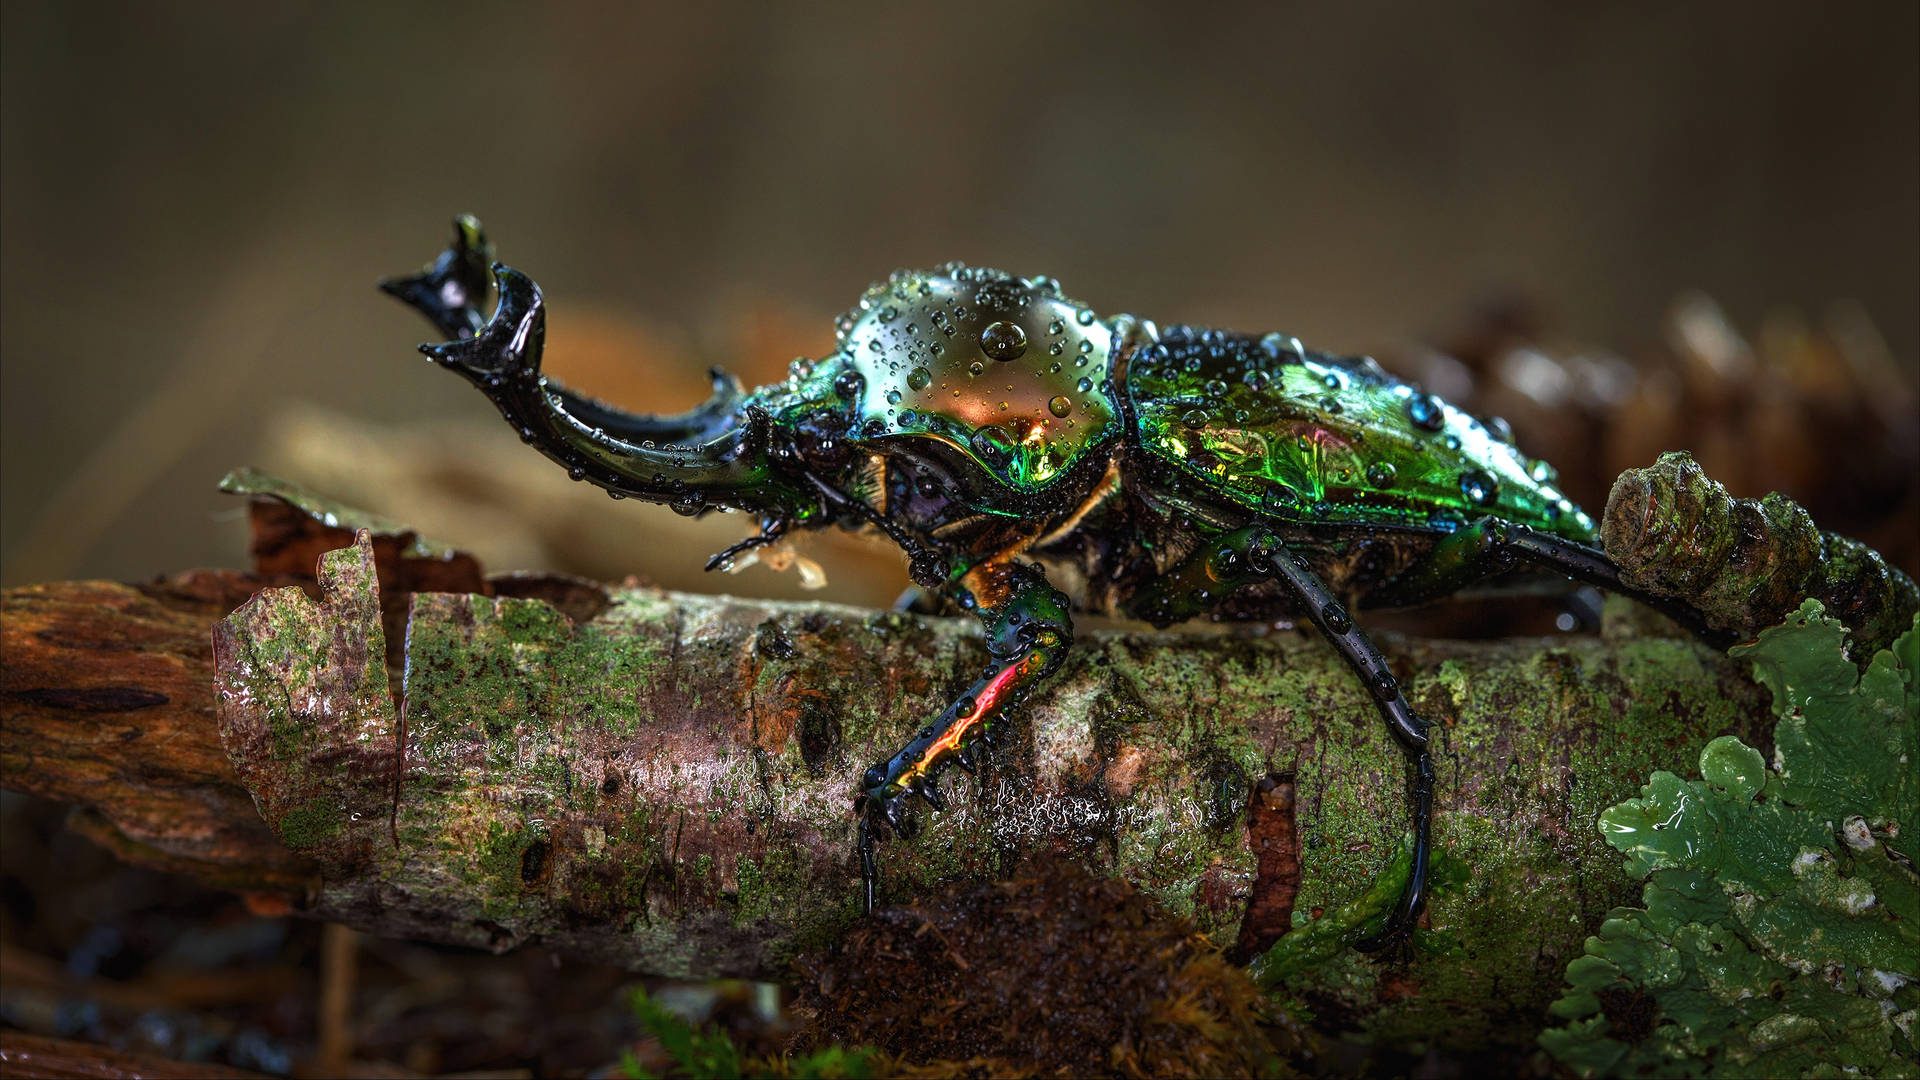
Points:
[[197, 198]]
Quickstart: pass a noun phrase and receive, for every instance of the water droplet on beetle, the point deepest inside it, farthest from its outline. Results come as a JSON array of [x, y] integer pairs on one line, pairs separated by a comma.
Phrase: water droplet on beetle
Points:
[[849, 385], [1336, 617], [1542, 472], [1381, 474], [893, 397], [992, 443], [918, 378], [1426, 412], [1085, 384], [1059, 405], [1057, 348], [1056, 327], [889, 313], [1195, 418], [976, 368], [1084, 317], [1216, 388], [1256, 379], [1478, 488], [1003, 341]]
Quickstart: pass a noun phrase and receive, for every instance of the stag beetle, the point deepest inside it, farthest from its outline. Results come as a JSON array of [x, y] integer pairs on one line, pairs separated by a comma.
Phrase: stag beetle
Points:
[[1032, 459]]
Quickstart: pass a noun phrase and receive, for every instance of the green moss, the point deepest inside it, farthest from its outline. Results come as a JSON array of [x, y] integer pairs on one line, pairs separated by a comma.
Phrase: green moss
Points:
[[1780, 933], [499, 861], [310, 825]]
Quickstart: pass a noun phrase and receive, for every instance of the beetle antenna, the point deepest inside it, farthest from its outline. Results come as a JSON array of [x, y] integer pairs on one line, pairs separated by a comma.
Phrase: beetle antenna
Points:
[[770, 531]]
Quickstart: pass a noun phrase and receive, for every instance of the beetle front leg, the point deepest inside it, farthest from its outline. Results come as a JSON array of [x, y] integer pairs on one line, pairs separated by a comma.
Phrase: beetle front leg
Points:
[[1028, 634], [1408, 729]]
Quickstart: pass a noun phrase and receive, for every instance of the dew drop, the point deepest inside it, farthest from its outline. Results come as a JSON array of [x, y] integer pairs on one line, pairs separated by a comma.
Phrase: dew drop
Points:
[[1056, 327], [1057, 348], [1385, 686], [918, 378], [1542, 471], [1085, 384], [1195, 418], [893, 397], [1498, 427], [992, 443], [1059, 405], [1003, 341], [1426, 413], [1478, 488], [1381, 474], [976, 368], [1256, 379], [1336, 617], [1084, 317]]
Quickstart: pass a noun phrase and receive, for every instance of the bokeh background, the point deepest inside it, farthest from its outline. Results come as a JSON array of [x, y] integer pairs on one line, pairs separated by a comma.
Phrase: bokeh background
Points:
[[197, 198]]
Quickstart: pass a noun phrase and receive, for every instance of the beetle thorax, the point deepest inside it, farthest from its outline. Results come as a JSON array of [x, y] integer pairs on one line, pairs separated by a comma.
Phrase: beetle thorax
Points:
[[1007, 371]]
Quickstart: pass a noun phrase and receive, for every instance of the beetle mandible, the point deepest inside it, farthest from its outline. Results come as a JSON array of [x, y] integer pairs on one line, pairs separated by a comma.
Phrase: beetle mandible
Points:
[[1033, 458]]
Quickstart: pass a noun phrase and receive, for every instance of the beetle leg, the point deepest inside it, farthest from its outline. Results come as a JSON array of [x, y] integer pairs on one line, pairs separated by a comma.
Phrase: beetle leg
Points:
[[1197, 583], [1408, 729], [1028, 634], [1492, 545]]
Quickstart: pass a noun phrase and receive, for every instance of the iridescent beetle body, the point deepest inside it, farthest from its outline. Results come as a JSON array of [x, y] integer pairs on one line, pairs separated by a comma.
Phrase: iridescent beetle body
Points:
[[1033, 458]]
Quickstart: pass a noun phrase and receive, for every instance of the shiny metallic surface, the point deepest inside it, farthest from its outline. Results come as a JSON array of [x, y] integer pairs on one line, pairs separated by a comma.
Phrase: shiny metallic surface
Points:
[[1027, 403]]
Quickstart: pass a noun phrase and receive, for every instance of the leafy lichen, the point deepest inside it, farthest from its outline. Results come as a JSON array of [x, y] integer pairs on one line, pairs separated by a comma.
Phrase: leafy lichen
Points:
[[1781, 929]]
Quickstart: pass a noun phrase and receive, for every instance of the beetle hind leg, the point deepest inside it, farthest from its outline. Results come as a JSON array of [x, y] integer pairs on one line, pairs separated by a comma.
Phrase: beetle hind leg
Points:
[[1409, 730]]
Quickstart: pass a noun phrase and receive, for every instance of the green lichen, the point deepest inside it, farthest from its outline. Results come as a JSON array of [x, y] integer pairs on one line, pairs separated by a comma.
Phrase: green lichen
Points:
[[1781, 929]]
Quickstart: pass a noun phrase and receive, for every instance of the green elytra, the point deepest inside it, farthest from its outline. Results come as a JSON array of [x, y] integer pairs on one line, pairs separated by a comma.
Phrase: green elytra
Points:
[[1033, 458]]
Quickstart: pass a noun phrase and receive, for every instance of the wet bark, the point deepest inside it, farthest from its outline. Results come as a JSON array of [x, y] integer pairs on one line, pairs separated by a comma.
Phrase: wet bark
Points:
[[665, 779]]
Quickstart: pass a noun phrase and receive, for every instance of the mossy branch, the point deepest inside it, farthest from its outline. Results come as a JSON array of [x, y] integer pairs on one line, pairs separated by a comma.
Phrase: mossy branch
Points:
[[665, 779]]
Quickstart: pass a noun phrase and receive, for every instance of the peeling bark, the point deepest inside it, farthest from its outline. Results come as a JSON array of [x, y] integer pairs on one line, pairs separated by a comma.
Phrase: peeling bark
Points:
[[664, 779]]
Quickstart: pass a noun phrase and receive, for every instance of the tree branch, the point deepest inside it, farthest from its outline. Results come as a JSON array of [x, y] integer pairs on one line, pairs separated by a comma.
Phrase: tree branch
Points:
[[665, 780]]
